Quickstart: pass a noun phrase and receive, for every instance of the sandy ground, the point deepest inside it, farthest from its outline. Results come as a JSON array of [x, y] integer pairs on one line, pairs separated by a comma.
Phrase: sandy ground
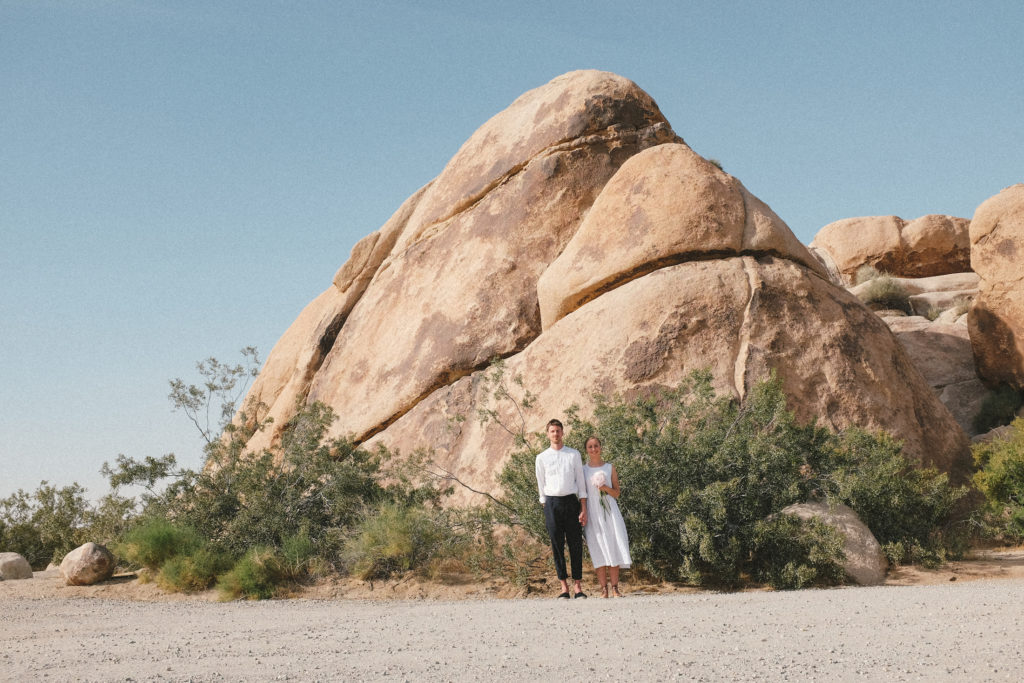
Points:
[[963, 622]]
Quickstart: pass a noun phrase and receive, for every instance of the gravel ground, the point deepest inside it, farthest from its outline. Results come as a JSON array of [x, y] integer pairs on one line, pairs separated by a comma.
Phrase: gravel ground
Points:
[[958, 631]]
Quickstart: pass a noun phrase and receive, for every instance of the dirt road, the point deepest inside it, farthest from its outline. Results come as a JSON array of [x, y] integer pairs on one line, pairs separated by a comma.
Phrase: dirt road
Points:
[[958, 631]]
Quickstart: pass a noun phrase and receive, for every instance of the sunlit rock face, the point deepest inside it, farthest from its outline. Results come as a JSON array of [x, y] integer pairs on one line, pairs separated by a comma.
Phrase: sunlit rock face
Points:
[[926, 246], [996, 320], [579, 238]]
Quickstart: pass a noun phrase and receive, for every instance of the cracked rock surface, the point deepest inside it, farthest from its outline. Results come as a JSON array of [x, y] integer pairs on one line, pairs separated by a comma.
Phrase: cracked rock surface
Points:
[[996, 320], [580, 239]]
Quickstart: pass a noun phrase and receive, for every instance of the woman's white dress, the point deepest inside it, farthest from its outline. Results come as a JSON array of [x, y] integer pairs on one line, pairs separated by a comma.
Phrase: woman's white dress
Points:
[[605, 530]]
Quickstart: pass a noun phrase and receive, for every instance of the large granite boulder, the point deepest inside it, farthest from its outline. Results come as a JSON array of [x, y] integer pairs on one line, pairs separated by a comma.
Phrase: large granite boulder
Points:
[[665, 205], [942, 352], [451, 281], [577, 237], [996, 320], [865, 562], [87, 564], [929, 245], [13, 566], [740, 317]]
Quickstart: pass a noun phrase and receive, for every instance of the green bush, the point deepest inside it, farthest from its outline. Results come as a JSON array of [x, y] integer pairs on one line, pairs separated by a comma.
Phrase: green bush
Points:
[[789, 552], [396, 538], [1000, 479], [43, 526], [157, 540], [914, 512], [701, 473], [999, 408], [257, 576], [886, 293], [195, 571]]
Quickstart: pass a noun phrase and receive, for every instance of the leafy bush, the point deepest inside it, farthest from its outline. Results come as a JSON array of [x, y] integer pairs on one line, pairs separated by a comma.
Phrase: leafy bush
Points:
[[396, 538], [256, 576], [194, 571], [45, 525], [999, 408], [790, 552], [701, 474], [885, 292], [914, 513], [295, 505], [1000, 478], [156, 541]]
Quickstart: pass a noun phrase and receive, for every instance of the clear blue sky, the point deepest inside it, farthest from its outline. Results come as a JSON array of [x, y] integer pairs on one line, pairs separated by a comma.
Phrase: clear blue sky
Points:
[[178, 179]]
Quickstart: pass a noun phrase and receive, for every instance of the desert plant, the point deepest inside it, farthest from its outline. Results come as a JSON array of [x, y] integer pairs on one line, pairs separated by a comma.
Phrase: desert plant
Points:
[[961, 305], [999, 408], [257, 576], [865, 273], [716, 163], [157, 540], [789, 552], [1000, 478], [194, 571], [46, 524], [886, 292], [701, 473], [395, 538], [913, 511]]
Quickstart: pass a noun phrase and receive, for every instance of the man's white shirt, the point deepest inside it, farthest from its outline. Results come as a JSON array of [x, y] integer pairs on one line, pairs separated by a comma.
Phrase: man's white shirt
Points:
[[560, 473]]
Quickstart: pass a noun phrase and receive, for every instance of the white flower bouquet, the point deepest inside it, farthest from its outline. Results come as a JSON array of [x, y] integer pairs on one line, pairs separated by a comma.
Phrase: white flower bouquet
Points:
[[598, 480]]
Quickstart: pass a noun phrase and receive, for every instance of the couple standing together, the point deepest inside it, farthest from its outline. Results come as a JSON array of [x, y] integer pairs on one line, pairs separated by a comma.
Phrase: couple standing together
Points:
[[565, 486]]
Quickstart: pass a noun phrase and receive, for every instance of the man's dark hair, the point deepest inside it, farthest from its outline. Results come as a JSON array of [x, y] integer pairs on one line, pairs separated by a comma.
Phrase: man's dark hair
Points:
[[556, 422]]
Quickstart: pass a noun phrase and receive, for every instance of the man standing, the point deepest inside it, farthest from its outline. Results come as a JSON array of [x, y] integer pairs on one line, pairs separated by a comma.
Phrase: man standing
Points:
[[563, 493]]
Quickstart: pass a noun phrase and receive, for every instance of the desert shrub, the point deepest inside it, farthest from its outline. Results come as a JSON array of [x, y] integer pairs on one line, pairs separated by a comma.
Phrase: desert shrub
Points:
[[157, 540], [194, 571], [257, 576], [999, 408], [46, 524], [701, 473], [299, 501], [716, 163], [961, 305], [885, 292], [1000, 478], [789, 552], [914, 512], [397, 538], [865, 273]]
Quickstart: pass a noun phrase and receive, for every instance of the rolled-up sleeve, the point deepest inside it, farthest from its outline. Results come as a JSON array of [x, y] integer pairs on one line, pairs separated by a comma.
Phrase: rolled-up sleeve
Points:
[[581, 482], [538, 467]]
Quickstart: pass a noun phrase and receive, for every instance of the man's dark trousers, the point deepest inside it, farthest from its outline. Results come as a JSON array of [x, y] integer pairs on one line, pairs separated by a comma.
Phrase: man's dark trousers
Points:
[[562, 519]]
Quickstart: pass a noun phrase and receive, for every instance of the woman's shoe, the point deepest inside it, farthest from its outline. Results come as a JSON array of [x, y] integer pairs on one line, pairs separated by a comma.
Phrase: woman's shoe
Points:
[[604, 591], [615, 590]]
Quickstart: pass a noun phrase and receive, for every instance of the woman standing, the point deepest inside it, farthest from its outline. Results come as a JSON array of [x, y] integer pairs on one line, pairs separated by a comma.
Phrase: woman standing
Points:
[[605, 531]]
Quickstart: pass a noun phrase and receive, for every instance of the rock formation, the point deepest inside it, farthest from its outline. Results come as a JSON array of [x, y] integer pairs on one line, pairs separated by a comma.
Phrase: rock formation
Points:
[[577, 237], [87, 564], [996, 320], [941, 350], [929, 245]]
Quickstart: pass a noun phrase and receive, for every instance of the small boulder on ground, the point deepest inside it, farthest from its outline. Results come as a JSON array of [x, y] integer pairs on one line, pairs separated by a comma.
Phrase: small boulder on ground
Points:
[[87, 564], [14, 566], [865, 562]]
